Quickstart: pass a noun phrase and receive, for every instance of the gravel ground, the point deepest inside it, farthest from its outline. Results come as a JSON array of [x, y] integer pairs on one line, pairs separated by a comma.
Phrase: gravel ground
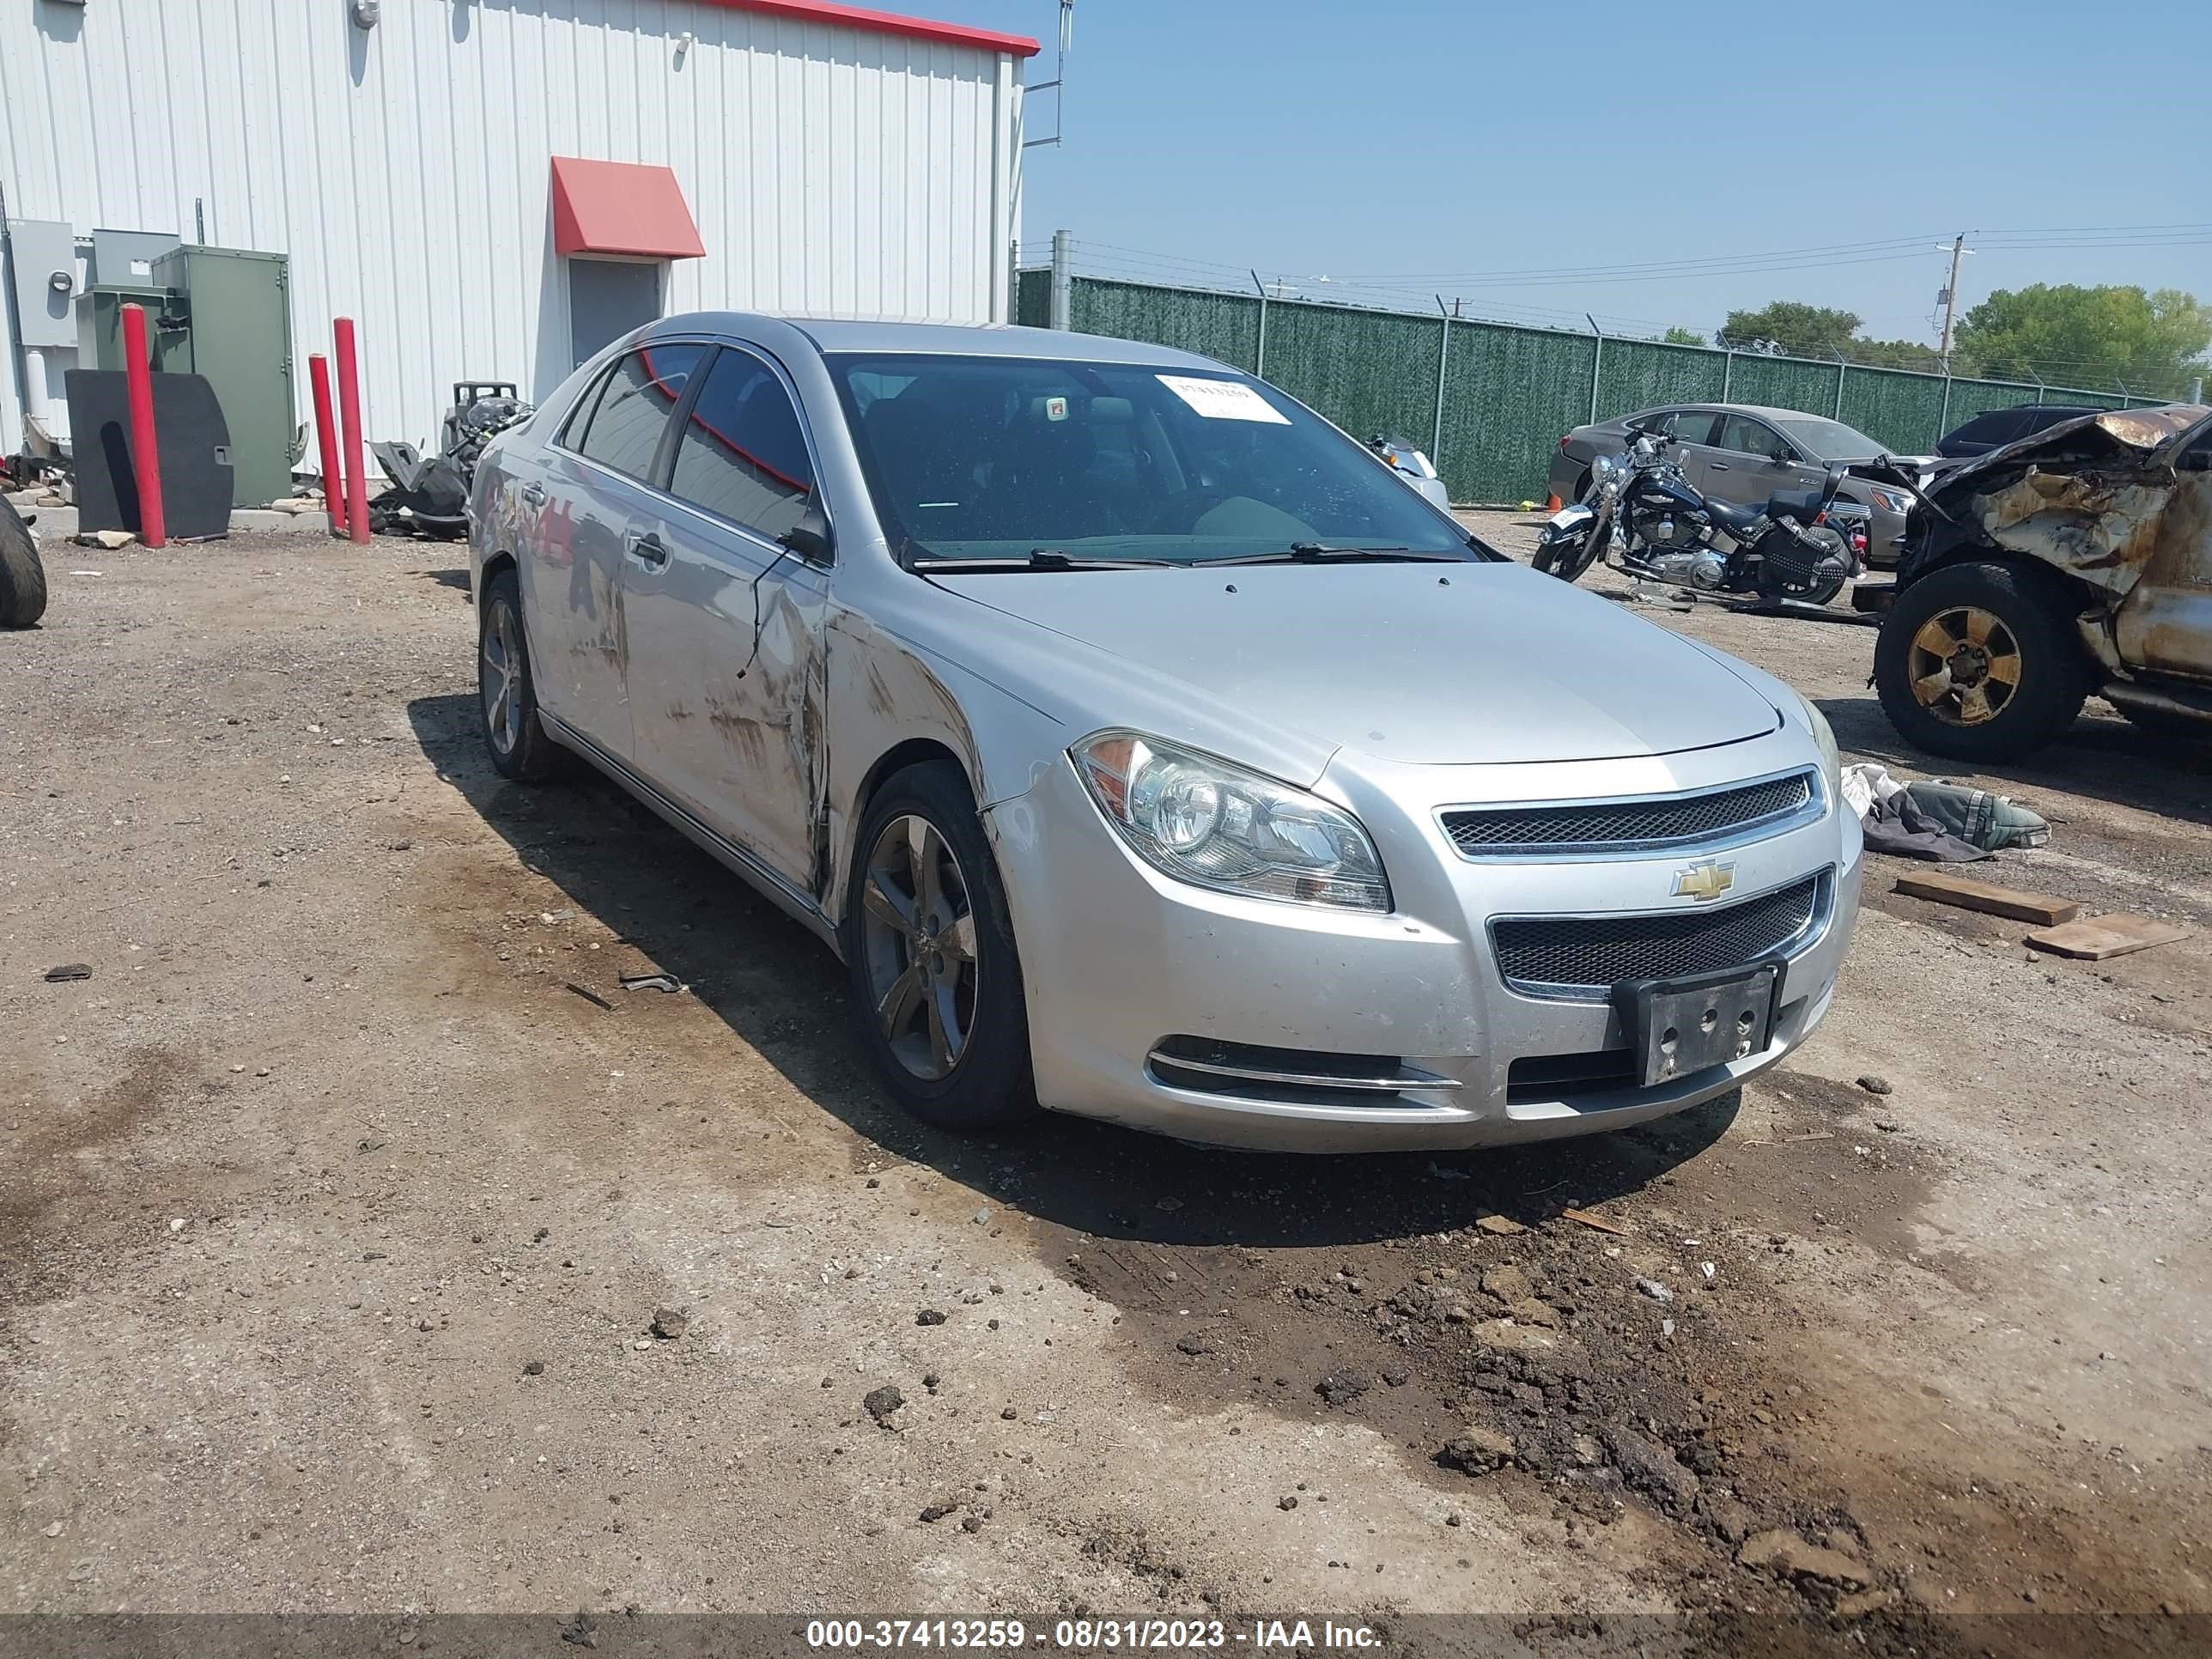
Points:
[[338, 1205]]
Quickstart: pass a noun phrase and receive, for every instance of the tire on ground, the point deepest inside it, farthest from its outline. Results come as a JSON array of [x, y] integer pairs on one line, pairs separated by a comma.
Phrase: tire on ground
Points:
[[991, 1084], [2037, 608], [22, 577], [532, 756]]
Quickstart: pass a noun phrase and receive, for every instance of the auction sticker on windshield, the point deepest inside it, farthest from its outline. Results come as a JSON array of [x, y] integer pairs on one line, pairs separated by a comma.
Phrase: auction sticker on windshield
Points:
[[1223, 400]]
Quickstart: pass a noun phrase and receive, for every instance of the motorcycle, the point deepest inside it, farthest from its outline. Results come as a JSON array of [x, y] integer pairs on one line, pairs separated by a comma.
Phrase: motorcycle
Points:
[[1412, 466], [1645, 518], [430, 494]]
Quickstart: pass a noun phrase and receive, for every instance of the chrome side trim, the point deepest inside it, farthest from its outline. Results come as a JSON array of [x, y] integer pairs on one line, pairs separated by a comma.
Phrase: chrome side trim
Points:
[[798, 906], [1788, 950], [1815, 807], [1402, 1082]]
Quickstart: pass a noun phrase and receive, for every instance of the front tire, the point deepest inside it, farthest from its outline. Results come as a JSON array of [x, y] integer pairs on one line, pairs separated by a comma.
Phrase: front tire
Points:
[[507, 690], [1980, 662], [1568, 560], [929, 941]]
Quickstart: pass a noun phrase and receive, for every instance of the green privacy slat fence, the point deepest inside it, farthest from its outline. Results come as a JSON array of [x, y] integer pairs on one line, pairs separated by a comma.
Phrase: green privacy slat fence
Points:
[[1223, 325], [1509, 392], [1374, 373], [1636, 373], [1033, 299], [1783, 383]]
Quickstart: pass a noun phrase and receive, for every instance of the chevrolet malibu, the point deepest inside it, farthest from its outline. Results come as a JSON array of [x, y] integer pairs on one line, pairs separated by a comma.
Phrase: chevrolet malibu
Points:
[[1146, 749]]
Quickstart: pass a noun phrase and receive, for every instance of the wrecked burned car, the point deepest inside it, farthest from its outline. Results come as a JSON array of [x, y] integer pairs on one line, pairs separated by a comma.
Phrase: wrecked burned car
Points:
[[1146, 749], [2075, 560]]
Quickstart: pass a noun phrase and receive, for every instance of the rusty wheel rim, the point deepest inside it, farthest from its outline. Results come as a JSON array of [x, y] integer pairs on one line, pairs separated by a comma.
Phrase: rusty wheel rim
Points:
[[1965, 665], [918, 931]]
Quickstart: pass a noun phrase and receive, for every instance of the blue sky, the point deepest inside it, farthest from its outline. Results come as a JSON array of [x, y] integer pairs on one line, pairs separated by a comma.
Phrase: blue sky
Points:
[[1427, 144]]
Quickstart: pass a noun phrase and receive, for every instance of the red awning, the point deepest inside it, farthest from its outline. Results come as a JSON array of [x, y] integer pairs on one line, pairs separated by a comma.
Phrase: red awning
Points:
[[621, 207]]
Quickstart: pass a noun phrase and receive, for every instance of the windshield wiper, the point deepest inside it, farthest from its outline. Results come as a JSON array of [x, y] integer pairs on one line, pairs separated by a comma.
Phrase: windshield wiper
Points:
[[1324, 553], [1041, 558]]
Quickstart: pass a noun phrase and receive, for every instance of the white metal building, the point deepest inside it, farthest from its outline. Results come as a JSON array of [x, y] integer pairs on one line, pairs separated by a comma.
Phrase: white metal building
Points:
[[419, 163]]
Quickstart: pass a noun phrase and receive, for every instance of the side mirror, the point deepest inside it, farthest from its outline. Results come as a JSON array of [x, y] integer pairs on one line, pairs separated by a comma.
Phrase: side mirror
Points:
[[810, 537]]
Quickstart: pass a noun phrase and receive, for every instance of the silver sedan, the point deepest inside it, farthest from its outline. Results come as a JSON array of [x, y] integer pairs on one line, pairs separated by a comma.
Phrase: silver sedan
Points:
[[1146, 749]]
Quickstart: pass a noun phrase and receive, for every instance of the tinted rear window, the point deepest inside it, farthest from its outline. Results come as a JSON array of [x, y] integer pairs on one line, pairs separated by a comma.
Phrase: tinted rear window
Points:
[[1994, 427], [633, 410]]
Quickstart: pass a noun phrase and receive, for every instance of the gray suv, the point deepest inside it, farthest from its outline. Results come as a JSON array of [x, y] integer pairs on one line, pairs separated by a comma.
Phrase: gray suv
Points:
[[1742, 454]]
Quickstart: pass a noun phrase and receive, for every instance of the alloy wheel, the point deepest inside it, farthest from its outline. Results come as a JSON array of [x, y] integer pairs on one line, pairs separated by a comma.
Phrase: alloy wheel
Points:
[[502, 675], [1965, 665], [918, 934]]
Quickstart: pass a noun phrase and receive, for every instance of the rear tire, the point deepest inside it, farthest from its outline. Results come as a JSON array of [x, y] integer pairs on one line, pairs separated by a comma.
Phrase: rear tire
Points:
[[1821, 592], [929, 941], [507, 690], [1981, 662], [22, 577]]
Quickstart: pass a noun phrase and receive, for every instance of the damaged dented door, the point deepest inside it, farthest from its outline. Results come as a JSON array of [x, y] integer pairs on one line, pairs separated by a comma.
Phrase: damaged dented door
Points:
[[726, 670], [594, 503], [2166, 623]]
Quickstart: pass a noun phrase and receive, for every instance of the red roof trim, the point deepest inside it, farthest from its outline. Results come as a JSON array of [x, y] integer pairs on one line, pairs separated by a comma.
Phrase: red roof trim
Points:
[[887, 22], [621, 207]]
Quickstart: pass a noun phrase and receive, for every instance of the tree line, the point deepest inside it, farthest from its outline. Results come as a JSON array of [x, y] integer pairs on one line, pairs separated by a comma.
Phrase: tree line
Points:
[[2154, 343]]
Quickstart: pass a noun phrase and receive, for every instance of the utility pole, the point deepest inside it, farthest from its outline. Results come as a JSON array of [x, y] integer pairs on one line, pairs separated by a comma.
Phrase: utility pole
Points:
[[1951, 298], [1063, 278]]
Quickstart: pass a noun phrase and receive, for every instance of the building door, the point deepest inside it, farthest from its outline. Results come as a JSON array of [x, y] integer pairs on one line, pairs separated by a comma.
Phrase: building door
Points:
[[607, 298]]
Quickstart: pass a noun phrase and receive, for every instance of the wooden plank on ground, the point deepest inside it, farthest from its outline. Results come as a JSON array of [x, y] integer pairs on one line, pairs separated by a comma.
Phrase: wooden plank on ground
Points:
[[2039, 908], [1590, 1219], [2095, 937]]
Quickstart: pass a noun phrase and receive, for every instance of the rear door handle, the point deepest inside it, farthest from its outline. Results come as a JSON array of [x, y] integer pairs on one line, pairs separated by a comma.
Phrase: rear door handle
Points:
[[1718, 466], [533, 495], [646, 548]]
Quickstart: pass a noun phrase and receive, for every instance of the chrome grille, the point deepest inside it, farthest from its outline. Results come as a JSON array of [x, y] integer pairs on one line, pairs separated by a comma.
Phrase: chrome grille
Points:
[[1556, 956], [1625, 825]]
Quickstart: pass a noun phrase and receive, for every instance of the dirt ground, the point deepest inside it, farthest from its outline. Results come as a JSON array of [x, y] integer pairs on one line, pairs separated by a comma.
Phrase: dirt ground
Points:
[[337, 1204]]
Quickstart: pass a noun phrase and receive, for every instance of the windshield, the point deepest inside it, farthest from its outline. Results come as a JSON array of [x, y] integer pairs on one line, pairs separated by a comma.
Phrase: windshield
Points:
[[1829, 440], [999, 458]]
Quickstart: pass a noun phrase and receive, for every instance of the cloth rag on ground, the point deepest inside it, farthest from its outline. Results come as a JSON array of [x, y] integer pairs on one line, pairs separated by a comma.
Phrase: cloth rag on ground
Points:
[[1946, 823]]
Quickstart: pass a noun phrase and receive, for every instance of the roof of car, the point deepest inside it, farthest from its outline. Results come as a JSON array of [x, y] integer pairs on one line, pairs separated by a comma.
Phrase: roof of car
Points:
[[951, 339], [1765, 411]]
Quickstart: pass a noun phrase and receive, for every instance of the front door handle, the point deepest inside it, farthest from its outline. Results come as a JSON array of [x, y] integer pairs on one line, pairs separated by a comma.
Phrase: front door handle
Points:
[[1718, 466], [646, 548]]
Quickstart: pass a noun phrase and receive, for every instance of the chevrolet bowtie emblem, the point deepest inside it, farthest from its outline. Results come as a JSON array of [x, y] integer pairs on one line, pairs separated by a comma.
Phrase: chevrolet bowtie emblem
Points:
[[1702, 881]]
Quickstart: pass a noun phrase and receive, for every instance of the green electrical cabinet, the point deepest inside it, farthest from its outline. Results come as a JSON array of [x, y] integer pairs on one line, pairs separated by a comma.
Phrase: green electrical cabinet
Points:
[[100, 326], [229, 320]]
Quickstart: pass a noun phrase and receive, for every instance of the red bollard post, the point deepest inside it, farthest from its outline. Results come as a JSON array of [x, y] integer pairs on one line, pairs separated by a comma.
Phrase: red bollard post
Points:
[[145, 453], [326, 435], [356, 484]]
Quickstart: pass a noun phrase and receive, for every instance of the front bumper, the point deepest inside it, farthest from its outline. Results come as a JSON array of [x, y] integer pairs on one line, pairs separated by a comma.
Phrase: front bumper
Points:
[[1118, 958]]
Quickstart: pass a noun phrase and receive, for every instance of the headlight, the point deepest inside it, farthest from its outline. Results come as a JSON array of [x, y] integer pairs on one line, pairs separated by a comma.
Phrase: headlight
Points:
[[1205, 822], [1831, 757], [1891, 501], [1602, 467]]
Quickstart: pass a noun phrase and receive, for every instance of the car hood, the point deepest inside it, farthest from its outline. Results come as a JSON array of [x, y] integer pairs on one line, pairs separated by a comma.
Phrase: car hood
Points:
[[1423, 664]]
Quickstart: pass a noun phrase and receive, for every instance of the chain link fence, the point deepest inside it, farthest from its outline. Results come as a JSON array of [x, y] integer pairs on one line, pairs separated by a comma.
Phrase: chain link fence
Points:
[[1489, 400]]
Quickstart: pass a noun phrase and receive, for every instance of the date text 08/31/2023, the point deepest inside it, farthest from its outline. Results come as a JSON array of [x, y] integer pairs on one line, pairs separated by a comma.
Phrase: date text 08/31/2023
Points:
[[1083, 1634]]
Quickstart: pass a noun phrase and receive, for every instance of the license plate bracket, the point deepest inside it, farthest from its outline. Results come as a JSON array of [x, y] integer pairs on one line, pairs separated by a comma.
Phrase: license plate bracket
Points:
[[1678, 1026]]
